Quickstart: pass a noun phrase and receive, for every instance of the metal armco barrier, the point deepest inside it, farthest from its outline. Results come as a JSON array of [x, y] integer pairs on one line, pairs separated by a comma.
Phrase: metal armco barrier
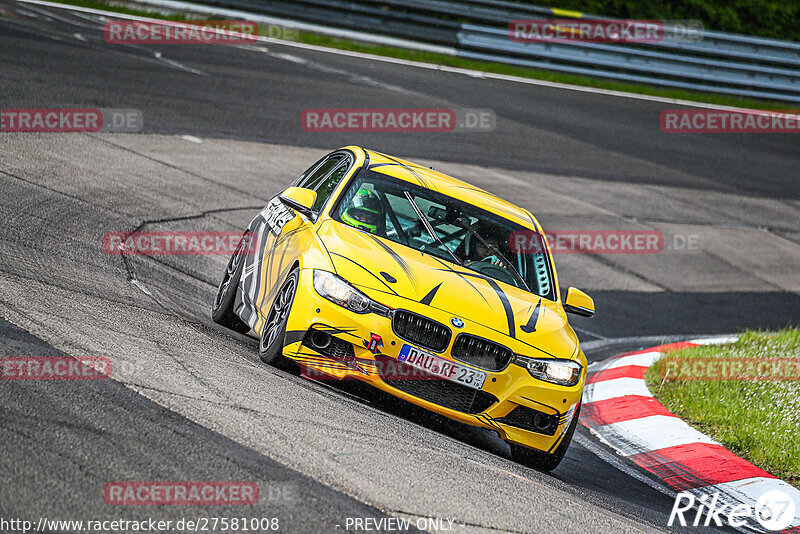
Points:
[[479, 29]]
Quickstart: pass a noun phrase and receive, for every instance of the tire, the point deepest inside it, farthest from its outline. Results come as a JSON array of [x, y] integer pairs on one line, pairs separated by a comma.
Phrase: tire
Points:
[[222, 311], [541, 460], [270, 348]]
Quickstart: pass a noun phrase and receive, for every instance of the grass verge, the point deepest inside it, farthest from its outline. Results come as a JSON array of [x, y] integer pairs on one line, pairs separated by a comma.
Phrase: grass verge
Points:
[[131, 8], [757, 419]]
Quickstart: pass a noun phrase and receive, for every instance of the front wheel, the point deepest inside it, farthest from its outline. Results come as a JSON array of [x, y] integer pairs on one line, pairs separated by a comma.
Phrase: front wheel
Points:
[[271, 346], [222, 312], [541, 460]]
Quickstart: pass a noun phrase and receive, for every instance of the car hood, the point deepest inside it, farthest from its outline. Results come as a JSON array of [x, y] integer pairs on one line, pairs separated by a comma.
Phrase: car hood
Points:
[[371, 262]]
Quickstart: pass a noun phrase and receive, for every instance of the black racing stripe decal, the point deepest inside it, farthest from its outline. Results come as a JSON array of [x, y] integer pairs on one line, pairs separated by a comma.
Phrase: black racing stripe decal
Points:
[[542, 404], [320, 361], [503, 299], [424, 182], [460, 275], [403, 166], [270, 259], [317, 360], [537, 348], [473, 188], [327, 252], [394, 161], [313, 357], [336, 330], [427, 299], [506, 306], [293, 336], [559, 440], [279, 279], [283, 237], [247, 283], [271, 252], [288, 234], [250, 260], [491, 422], [530, 326], [280, 238], [309, 357], [398, 259], [480, 323], [378, 278], [521, 214], [483, 191], [258, 263]]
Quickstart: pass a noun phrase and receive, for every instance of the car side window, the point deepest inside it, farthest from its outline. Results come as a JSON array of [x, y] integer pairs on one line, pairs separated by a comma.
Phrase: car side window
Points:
[[312, 179], [326, 187], [302, 178]]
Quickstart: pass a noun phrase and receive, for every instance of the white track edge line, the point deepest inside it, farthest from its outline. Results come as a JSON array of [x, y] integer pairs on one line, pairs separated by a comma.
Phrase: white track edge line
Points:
[[420, 64]]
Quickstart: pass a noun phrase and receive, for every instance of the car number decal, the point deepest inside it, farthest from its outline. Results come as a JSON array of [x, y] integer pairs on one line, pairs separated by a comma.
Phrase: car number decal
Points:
[[276, 215]]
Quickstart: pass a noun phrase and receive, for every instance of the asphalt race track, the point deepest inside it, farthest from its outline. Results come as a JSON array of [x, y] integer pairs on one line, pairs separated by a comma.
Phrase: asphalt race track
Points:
[[190, 400]]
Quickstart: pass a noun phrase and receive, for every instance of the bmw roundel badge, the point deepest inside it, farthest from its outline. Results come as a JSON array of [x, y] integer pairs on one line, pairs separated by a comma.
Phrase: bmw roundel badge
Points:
[[458, 323]]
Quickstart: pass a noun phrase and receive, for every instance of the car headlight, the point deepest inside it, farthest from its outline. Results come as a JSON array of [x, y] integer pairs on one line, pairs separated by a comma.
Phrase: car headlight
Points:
[[562, 372], [340, 292]]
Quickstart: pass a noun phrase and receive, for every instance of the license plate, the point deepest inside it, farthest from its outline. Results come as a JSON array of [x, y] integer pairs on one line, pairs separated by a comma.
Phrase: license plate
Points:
[[442, 368]]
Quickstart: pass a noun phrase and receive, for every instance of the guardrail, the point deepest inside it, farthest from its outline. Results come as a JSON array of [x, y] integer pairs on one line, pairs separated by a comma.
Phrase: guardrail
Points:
[[478, 29]]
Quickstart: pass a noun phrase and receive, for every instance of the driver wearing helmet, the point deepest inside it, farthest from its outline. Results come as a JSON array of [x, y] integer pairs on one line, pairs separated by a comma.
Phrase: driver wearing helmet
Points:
[[366, 212], [478, 252], [485, 260]]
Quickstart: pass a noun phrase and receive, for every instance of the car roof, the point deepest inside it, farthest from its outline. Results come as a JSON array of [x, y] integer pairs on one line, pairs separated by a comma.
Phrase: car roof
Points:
[[447, 185]]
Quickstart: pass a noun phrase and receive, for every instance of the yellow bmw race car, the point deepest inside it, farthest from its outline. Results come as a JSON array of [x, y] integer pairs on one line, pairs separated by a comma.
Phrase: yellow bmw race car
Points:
[[373, 268]]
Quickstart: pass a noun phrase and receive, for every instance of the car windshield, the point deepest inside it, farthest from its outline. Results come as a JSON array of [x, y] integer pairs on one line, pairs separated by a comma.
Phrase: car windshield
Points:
[[447, 228]]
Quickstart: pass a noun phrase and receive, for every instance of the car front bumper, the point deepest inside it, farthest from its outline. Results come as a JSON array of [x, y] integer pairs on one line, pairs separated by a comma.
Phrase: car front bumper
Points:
[[509, 390]]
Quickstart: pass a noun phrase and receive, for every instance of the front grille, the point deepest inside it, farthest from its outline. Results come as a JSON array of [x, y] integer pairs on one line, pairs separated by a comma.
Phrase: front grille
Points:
[[481, 352], [432, 388], [530, 419], [420, 330]]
